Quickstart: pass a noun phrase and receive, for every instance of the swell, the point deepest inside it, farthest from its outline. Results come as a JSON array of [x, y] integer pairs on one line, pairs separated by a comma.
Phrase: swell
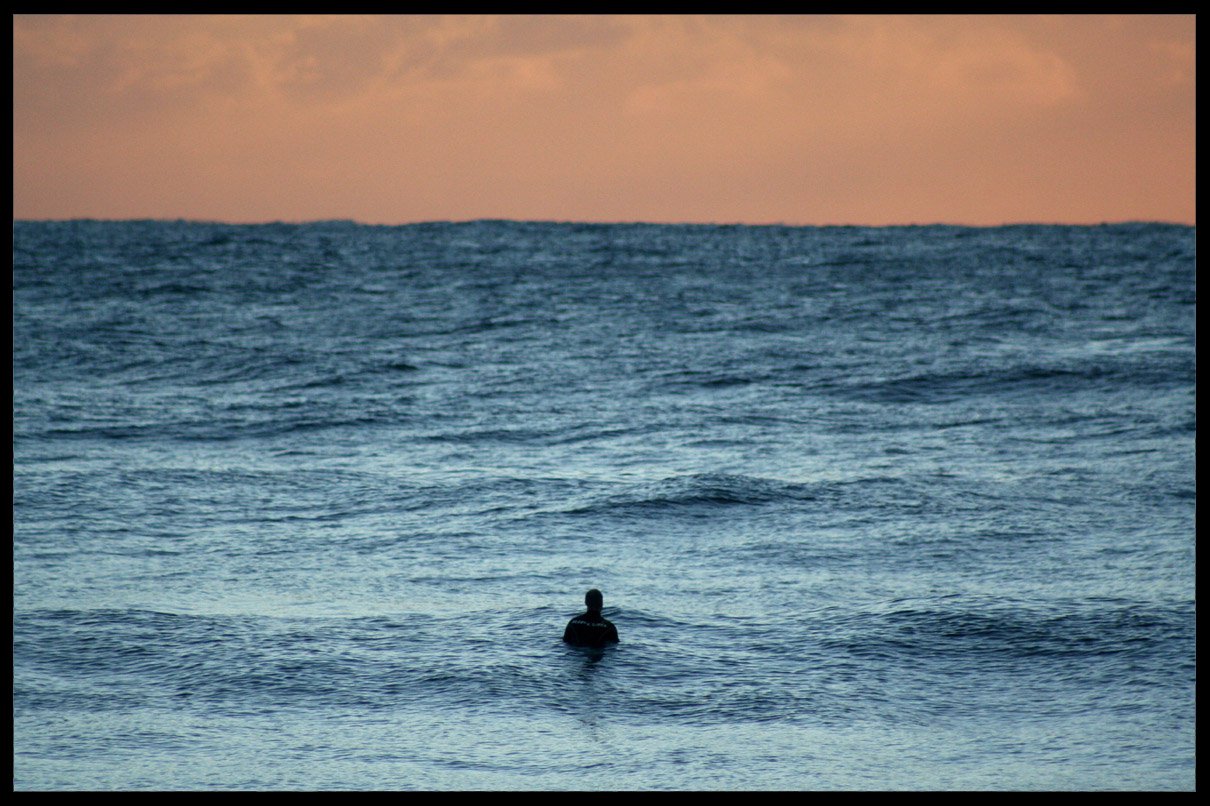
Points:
[[1080, 630], [1033, 380]]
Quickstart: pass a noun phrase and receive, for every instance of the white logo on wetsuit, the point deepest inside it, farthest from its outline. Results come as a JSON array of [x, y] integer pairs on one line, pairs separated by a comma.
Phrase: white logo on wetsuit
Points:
[[589, 623]]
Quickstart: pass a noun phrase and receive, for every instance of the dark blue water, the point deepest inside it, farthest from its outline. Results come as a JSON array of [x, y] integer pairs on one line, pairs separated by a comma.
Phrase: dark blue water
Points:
[[308, 506]]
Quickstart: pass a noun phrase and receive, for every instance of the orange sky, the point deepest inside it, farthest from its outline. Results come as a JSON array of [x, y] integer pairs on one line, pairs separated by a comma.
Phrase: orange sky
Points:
[[753, 119]]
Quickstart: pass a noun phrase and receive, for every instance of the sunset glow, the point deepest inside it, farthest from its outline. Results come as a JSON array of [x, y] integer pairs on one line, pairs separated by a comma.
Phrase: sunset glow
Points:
[[801, 120]]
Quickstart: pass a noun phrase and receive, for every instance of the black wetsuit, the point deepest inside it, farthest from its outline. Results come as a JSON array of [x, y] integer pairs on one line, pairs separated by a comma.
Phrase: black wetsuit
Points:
[[590, 629]]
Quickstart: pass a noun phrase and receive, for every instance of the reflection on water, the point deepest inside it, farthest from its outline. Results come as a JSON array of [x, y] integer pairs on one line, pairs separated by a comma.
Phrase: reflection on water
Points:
[[589, 700]]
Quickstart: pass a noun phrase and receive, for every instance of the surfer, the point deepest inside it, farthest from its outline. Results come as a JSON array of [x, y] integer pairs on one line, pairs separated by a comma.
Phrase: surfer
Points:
[[591, 628]]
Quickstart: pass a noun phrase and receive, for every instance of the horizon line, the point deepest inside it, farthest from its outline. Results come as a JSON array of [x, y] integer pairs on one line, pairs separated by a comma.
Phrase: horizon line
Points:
[[575, 222]]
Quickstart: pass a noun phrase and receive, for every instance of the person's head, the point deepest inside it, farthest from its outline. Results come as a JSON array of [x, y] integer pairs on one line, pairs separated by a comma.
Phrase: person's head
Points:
[[593, 599]]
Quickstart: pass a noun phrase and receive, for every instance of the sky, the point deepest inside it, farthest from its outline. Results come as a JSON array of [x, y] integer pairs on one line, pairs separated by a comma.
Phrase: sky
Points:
[[802, 120]]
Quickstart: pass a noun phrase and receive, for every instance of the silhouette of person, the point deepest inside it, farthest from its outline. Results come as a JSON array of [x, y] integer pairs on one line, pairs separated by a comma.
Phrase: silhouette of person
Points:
[[591, 628]]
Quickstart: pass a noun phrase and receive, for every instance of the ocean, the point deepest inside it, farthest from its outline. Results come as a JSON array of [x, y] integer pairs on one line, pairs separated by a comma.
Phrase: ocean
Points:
[[307, 506]]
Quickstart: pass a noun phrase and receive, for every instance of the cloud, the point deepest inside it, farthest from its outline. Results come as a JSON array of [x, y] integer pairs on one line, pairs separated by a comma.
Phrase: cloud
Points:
[[670, 118]]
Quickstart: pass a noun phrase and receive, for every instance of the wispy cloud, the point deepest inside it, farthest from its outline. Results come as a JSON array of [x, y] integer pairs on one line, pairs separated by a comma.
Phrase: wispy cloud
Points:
[[865, 119]]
